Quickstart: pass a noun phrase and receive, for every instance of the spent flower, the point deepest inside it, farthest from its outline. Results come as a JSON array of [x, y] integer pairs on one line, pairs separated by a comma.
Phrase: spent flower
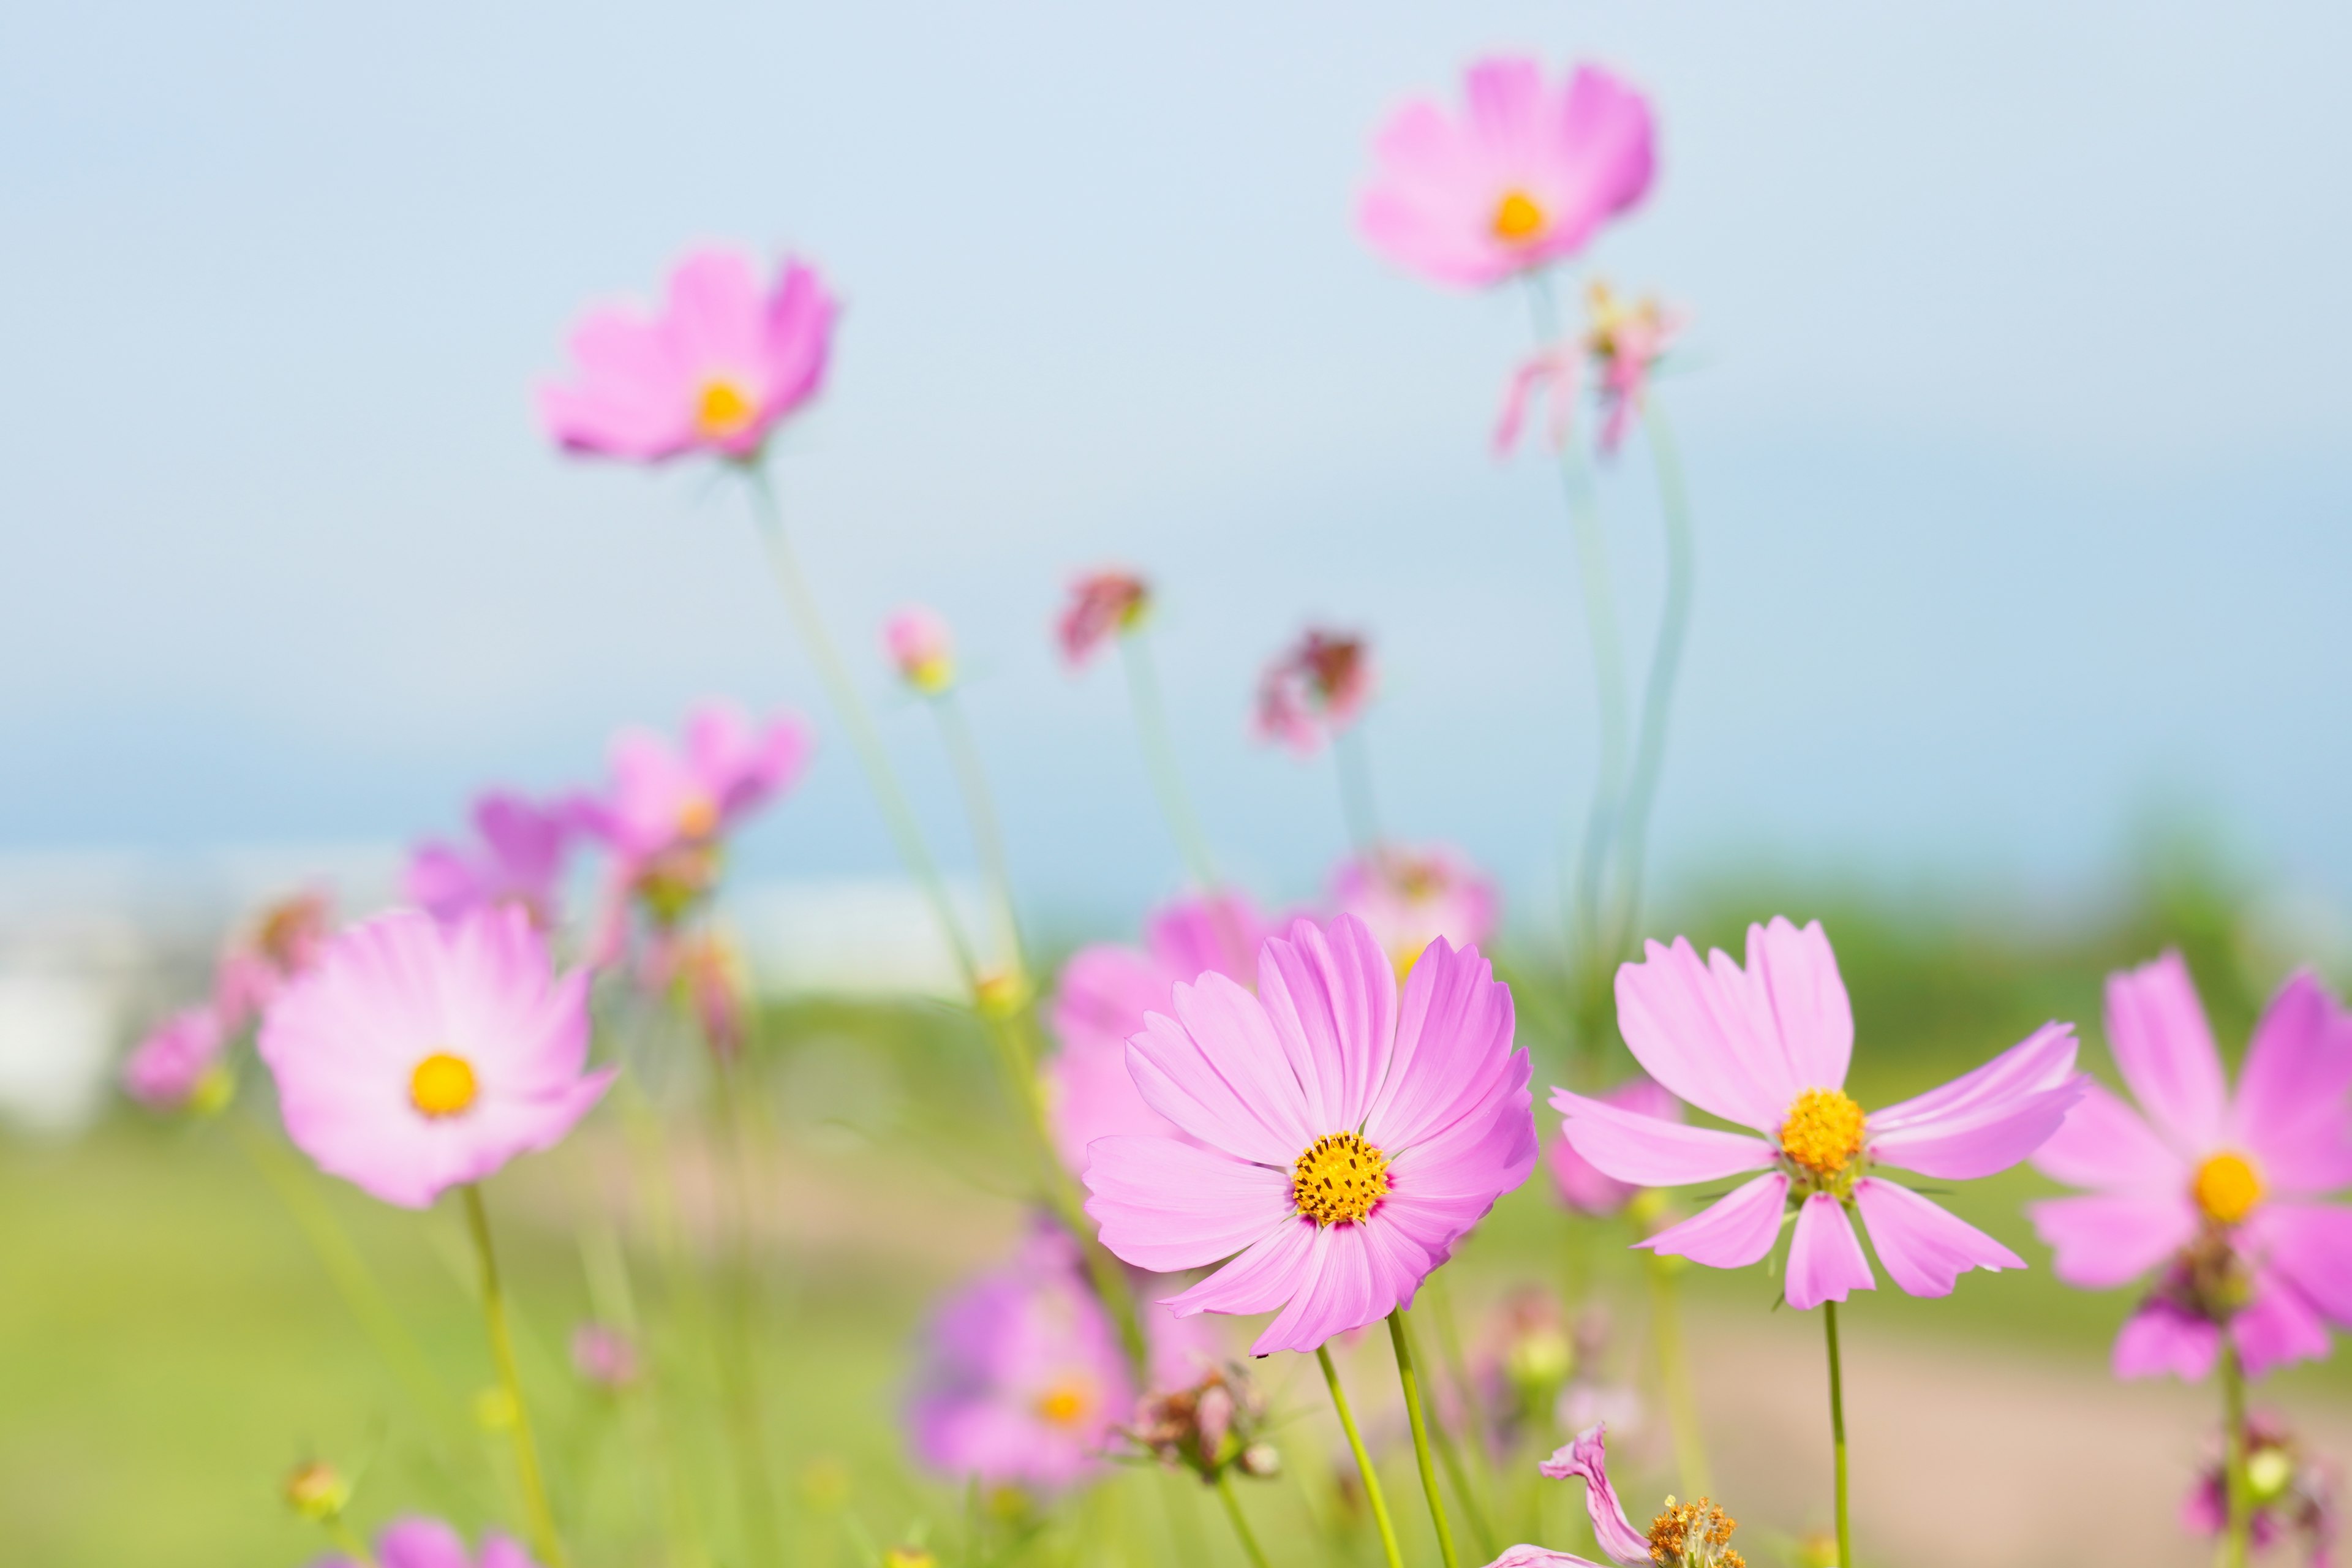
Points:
[[1314, 689], [1102, 604], [1682, 1535]]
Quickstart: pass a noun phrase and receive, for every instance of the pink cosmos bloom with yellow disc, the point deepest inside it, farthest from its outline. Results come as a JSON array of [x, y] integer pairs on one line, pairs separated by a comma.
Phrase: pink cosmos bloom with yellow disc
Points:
[[429, 1543], [1101, 606], [1333, 1141], [1410, 895], [1314, 689], [1684, 1534], [415, 1056], [921, 647], [2223, 1194], [517, 857], [1767, 1048], [1582, 1185], [724, 360], [1525, 177]]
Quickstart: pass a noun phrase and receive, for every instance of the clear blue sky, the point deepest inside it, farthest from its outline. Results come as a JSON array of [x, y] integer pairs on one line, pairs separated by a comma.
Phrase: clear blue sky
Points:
[[2017, 433]]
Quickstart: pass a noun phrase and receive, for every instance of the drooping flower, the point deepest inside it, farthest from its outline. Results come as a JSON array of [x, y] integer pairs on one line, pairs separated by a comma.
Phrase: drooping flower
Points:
[[1215, 1424], [1767, 1048], [1314, 689], [429, 1543], [517, 857], [1102, 604], [1021, 1382], [415, 1056], [2220, 1194], [1626, 341], [1684, 1536], [722, 363], [179, 1063], [1412, 895], [603, 1356], [2293, 1492], [1552, 373], [1106, 993], [921, 647], [1339, 1140], [1526, 177], [280, 944], [1583, 1187]]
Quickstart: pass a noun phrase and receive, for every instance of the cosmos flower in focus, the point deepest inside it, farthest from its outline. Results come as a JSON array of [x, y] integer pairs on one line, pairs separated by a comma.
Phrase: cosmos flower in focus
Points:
[[1339, 1140], [1767, 1048], [517, 857], [723, 362], [1684, 1536], [1525, 177], [1102, 604], [1313, 689], [429, 1543], [2291, 1492], [1412, 895], [414, 1056], [922, 648], [2220, 1194], [1582, 1187], [179, 1063]]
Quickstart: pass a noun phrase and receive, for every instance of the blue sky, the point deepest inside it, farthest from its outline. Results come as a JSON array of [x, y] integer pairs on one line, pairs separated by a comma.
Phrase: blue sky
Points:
[[2017, 419]]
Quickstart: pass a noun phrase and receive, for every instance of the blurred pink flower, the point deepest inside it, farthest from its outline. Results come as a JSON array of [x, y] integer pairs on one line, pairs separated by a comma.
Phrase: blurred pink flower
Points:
[[1552, 373], [1577, 1182], [2219, 1191], [2291, 1492], [603, 1356], [517, 858], [415, 1056], [166, 1069], [1412, 895], [1767, 1048], [1525, 178], [921, 647], [1313, 689], [279, 946], [1102, 604], [714, 372], [1340, 1141], [1626, 341], [429, 1543]]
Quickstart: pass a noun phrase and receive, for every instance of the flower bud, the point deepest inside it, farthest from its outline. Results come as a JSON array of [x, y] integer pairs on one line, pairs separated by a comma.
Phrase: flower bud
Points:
[[317, 1490], [922, 648]]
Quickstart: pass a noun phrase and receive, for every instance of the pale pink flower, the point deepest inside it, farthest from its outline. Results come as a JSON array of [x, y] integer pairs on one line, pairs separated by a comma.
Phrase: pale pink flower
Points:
[[1767, 1048], [722, 363], [921, 647], [1577, 1182], [1410, 895], [279, 945], [1525, 177], [1102, 604], [1552, 374], [176, 1059], [2220, 1194], [517, 857], [1339, 1140], [1314, 689], [1626, 341], [416, 1057], [429, 1543]]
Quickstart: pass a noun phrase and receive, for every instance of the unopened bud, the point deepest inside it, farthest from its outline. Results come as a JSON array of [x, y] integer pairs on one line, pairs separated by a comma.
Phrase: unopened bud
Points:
[[317, 1490], [1263, 1460]]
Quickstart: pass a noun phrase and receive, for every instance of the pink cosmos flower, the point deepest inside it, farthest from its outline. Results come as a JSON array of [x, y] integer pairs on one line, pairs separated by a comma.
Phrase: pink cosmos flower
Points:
[[1626, 341], [1767, 1048], [1579, 1184], [1108, 992], [1684, 1534], [416, 1056], [1313, 689], [1102, 604], [429, 1543], [1339, 1142], [176, 1060], [518, 859], [921, 647], [714, 372], [1526, 177], [279, 946], [2219, 1191], [1412, 895]]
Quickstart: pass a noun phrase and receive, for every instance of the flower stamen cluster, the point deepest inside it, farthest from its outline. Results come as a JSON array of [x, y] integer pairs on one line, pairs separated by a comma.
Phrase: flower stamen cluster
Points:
[[1694, 1535], [1339, 1179], [1822, 1137]]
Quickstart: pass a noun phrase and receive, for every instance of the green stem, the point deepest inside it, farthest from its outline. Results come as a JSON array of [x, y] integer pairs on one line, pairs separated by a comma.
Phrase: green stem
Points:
[[2237, 1486], [1241, 1523], [1363, 1461], [1411, 1382], [1837, 1436], [1159, 761], [987, 832], [1449, 1451], [737, 1357], [1675, 1378], [1356, 801], [347, 1539], [544, 1538]]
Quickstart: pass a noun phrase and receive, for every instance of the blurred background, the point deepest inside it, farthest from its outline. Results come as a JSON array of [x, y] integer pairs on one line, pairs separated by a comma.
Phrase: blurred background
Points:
[[2016, 423]]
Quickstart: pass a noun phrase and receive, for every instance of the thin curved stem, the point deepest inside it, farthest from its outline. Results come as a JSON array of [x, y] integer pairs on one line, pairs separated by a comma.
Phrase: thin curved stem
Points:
[[1250, 1547], [1409, 1379], [1159, 761], [987, 831], [1837, 1436], [541, 1519], [1356, 798], [2237, 1486], [737, 1357], [348, 1541], [1371, 1476]]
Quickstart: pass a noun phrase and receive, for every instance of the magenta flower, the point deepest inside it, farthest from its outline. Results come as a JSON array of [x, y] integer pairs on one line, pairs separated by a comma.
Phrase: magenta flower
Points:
[[429, 1543], [1313, 689], [1684, 1536], [1022, 1383], [179, 1060], [1526, 177], [2220, 1193], [1767, 1048], [1106, 994], [1409, 896], [921, 647], [517, 858], [714, 372], [1339, 1142], [415, 1056], [1582, 1186], [1102, 604]]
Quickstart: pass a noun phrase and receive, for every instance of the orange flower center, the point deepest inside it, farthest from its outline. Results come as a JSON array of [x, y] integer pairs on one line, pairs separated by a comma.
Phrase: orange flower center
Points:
[[1694, 1535], [1518, 219], [1823, 1131], [2227, 1187], [1339, 1179], [1065, 1404], [442, 1085], [723, 409], [697, 817]]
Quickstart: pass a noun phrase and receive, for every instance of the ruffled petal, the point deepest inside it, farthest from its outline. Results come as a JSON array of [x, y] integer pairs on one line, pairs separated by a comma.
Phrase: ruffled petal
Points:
[[1690, 1028], [1924, 1246], [1651, 1153], [1165, 1204], [1588, 1457], [1270, 1272], [2164, 1048], [1332, 995], [1525, 1556], [1988, 1119], [2106, 1145], [2292, 1111], [1453, 1055], [1825, 1260], [1351, 1282], [1219, 1074], [1733, 1231], [2104, 1240], [1795, 977]]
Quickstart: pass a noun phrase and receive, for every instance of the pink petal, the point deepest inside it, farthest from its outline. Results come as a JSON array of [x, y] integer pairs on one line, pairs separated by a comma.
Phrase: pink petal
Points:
[[1270, 1272], [2292, 1112], [1925, 1248], [1191, 936], [2163, 1046], [2104, 1144], [2159, 1339], [1608, 123], [1453, 1034], [2311, 1246], [1825, 1260], [1588, 1457], [1732, 1232], [2104, 1240], [421, 1543], [799, 330], [1795, 977], [1165, 1204], [1219, 1074], [1988, 1119], [1332, 995], [716, 318], [2277, 1326], [504, 1551], [1351, 1282], [1525, 1556], [1690, 1029], [1650, 1153]]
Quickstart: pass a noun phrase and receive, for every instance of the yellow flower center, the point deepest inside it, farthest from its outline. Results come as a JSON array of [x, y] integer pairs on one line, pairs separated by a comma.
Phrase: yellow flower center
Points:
[[1517, 219], [723, 409], [442, 1085], [2227, 1188], [1694, 1535], [932, 675], [1340, 1179], [699, 817], [1065, 1404], [1823, 1131]]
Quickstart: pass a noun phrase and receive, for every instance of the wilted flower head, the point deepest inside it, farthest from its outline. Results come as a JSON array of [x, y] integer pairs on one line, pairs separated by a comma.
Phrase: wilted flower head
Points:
[[1410, 895], [1313, 689], [415, 1056], [1525, 177], [1102, 604], [921, 647], [2221, 1193], [2293, 1493], [1626, 341], [603, 1356], [429, 1543], [1553, 374], [180, 1064], [713, 372], [1208, 1427], [1683, 1535], [1583, 1187], [517, 857]]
